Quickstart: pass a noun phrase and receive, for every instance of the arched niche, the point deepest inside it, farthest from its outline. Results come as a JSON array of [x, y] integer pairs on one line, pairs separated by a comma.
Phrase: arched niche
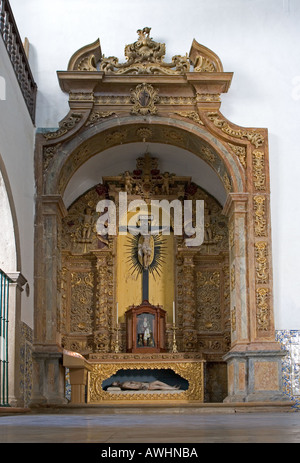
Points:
[[10, 250], [10, 264], [145, 100], [184, 135]]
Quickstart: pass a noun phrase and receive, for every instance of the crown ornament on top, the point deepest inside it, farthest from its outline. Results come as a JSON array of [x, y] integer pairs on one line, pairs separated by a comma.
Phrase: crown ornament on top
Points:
[[145, 56]]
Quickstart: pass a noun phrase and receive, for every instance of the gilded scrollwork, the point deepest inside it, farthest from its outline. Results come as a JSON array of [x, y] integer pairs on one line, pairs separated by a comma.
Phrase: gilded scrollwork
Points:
[[240, 152], [104, 302], [81, 96], [259, 176], [174, 136], [125, 100], [208, 154], [116, 137], [98, 116], [203, 64], [82, 313], [255, 138], [65, 126], [208, 97], [227, 183], [144, 133], [263, 309], [260, 222], [49, 152], [226, 304], [88, 63], [261, 255], [188, 299], [209, 300], [193, 115], [177, 100], [145, 56]]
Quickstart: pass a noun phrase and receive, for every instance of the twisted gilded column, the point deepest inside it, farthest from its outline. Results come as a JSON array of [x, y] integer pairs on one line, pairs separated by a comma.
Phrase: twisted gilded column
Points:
[[104, 296], [188, 301]]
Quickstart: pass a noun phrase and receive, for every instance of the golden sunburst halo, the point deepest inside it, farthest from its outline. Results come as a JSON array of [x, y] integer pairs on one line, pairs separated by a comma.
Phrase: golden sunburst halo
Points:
[[157, 256]]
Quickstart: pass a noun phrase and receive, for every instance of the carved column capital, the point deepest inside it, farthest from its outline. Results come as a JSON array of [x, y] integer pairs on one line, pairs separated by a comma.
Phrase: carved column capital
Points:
[[236, 202], [53, 205], [18, 279]]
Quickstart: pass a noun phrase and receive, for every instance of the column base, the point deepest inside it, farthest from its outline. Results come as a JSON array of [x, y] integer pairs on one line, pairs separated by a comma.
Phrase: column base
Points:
[[48, 379], [16, 403], [255, 376]]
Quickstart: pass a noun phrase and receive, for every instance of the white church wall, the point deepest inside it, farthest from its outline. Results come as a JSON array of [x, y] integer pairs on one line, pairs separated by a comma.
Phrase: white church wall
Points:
[[256, 39], [8, 251], [16, 150]]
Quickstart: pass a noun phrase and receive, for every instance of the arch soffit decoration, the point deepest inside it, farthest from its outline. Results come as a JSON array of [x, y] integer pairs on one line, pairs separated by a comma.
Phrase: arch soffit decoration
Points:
[[146, 99]]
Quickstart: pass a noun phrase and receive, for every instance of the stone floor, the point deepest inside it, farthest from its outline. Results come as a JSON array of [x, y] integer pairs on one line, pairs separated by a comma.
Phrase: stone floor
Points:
[[160, 426]]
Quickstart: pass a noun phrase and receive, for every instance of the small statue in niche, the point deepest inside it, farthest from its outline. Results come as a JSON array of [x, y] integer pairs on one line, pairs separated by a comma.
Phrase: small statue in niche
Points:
[[145, 332], [128, 182], [89, 220], [166, 183]]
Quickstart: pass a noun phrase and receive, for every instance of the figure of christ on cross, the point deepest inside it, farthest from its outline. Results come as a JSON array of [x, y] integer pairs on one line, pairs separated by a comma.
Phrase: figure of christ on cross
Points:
[[149, 251], [145, 252]]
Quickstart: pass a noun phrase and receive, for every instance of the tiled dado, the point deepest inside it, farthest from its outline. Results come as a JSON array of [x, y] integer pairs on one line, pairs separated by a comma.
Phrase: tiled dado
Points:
[[290, 342]]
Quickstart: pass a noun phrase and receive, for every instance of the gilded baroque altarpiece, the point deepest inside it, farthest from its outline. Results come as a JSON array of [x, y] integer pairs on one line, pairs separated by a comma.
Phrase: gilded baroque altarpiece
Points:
[[223, 289], [91, 285]]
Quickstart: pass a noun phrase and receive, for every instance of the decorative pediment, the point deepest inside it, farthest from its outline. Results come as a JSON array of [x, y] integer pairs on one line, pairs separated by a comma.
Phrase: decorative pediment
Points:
[[195, 79], [145, 57], [203, 59], [86, 58]]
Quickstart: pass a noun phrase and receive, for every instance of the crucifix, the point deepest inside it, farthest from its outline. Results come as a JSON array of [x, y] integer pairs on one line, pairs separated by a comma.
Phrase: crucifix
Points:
[[150, 251], [145, 251]]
